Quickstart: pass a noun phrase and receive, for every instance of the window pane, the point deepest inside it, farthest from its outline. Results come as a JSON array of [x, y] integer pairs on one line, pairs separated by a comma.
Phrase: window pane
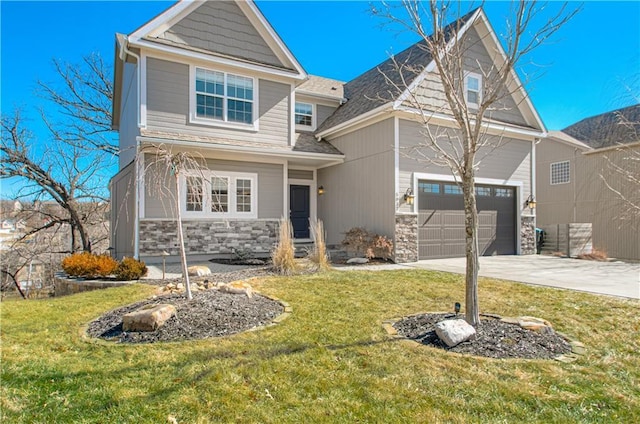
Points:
[[429, 187], [304, 108], [483, 191], [303, 120], [473, 83], [194, 194], [239, 111], [239, 87], [452, 189], [209, 106], [504, 192], [219, 194], [243, 195], [472, 97]]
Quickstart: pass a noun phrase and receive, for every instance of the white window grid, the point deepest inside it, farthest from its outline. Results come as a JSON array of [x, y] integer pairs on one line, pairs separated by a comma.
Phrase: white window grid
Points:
[[211, 194], [560, 172], [226, 97]]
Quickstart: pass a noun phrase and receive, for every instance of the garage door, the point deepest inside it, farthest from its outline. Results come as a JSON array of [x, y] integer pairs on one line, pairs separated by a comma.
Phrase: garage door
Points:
[[441, 220]]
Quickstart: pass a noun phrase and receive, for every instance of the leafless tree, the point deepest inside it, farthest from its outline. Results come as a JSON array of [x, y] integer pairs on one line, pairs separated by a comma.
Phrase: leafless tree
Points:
[[462, 149], [70, 166]]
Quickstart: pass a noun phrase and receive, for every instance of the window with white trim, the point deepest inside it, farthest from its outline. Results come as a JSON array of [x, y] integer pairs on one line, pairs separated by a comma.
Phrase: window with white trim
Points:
[[472, 88], [560, 172], [211, 194], [304, 116], [225, 97]]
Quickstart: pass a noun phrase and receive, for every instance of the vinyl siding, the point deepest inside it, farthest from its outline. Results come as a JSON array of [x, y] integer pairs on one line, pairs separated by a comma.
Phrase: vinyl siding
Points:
[[586, 199], [323, 113], [359, 192], [221, 27], [128, 116], [299, 174], [431, 93], [160, 187], [168, 106], [123, 212], [510, 161]]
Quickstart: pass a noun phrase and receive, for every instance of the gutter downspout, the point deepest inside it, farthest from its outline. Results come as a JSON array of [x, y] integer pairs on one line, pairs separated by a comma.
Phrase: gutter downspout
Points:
[[123, 41]]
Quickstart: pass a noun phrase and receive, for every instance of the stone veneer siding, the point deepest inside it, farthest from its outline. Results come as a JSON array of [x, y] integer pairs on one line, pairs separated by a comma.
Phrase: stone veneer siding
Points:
[[527, 235], [208, 237], [406, 236]]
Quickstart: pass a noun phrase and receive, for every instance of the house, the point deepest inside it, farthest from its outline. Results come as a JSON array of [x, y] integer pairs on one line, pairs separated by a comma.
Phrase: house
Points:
[[215, 79], [588, 173]]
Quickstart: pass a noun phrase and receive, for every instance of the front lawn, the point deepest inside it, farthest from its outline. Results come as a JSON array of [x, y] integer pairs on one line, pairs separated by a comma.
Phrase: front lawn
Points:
[[331, 361]]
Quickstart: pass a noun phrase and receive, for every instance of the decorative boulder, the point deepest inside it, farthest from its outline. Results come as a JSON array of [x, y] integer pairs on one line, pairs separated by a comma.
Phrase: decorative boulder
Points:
[[237, 287], [538, 325], [198, 271], [358, 261], [149, 318], [454, 331]]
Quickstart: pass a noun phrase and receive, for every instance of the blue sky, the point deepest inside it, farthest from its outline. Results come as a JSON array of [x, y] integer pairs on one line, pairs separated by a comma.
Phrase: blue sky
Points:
[[585, 70]]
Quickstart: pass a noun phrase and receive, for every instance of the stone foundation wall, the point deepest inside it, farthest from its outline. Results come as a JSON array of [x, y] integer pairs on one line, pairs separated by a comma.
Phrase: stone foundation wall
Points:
[[63, 286], [208, 237], [406, 238], [527, 235]]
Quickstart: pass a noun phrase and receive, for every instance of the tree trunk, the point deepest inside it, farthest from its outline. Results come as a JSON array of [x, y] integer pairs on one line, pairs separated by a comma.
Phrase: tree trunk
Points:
[[183, 254], [472, 310]]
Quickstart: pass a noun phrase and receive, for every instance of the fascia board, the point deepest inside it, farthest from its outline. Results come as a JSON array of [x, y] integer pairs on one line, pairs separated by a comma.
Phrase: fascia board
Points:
[[492, 127], [210, 58], [355, 121], [165, 19], [242, 149]]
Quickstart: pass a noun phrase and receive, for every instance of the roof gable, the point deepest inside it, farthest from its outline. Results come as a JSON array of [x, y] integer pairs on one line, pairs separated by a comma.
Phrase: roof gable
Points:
[[231, 29], [385, 83]]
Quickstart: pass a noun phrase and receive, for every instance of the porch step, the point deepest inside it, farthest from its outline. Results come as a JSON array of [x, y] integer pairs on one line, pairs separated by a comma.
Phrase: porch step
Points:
[[302, 248]]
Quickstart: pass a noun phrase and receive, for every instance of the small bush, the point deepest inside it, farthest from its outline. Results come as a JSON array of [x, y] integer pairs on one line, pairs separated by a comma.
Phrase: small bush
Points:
[[318, 255], [88, 265], [130, 269], [283, 254], [363, 243]]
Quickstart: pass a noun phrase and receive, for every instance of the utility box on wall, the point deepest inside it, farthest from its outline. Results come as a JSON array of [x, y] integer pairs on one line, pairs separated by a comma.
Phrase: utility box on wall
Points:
[[569, 239]]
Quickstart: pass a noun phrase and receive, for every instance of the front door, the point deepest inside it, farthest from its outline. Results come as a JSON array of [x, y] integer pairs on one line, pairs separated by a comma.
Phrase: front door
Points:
[[299, 209]]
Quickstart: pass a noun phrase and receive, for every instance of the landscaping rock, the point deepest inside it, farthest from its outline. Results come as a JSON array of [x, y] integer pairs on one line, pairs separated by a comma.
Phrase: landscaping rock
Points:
[[198, 271], [148, 318], [358, 261], [454, 331], [538, 325], [237, 287]]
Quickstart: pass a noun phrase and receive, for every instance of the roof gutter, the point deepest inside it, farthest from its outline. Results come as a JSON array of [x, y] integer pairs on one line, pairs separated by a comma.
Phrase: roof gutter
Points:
[[357, 119]]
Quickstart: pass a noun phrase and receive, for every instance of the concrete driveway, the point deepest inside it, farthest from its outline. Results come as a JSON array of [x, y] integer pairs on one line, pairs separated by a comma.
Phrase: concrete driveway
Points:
[[610, 278]]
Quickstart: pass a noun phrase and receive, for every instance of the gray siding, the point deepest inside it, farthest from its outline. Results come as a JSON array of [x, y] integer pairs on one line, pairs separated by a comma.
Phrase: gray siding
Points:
[[431, 94], [299, 174], [168, 106], [323, 113], [586, 198], [128, 116], [122, 212], [221, 27], [161, 187], [510, 161], [359, 192]]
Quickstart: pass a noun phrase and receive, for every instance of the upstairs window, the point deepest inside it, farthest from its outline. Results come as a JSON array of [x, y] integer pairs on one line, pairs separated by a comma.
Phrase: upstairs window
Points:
[[472, 88], [304, 116], [223, 97], [560, 172]]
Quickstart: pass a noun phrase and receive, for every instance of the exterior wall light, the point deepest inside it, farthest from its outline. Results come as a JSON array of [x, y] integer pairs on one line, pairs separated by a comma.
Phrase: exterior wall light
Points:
[[530, 202], [409, 197], [320, 191]]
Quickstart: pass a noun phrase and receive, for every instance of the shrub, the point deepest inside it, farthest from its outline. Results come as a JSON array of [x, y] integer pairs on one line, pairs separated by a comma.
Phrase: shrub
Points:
[[363, 243], [88, 265], [283, 254], [318, 255], [130, 269]]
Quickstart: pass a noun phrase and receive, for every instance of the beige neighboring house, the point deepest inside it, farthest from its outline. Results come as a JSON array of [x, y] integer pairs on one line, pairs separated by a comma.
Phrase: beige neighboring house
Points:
[[583, 175], [215, 79]]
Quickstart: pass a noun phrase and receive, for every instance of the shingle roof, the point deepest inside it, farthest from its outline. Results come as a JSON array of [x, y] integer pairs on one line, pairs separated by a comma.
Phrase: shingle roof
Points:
[[306, 142], [322, 86], [620, 126], [375, 87]]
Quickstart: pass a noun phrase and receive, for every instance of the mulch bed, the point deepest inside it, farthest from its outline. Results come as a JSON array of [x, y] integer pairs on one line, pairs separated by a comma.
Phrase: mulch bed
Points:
[[493, 339]]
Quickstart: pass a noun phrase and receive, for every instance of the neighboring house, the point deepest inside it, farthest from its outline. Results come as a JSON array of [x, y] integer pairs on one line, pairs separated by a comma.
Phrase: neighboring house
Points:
[[581, 179], [214, 78]]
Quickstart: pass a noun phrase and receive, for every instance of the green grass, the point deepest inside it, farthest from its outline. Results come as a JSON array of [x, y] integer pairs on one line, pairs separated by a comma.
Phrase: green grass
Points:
[[329, 362]]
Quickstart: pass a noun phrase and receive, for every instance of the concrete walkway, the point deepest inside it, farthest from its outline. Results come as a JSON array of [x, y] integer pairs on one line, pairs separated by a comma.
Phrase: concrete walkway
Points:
[[611, 278]]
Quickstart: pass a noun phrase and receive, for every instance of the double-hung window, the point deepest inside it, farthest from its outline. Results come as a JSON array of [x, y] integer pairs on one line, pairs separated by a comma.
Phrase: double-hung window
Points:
[[472, 89], [304, 116], [225, 97], [210, 194]]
